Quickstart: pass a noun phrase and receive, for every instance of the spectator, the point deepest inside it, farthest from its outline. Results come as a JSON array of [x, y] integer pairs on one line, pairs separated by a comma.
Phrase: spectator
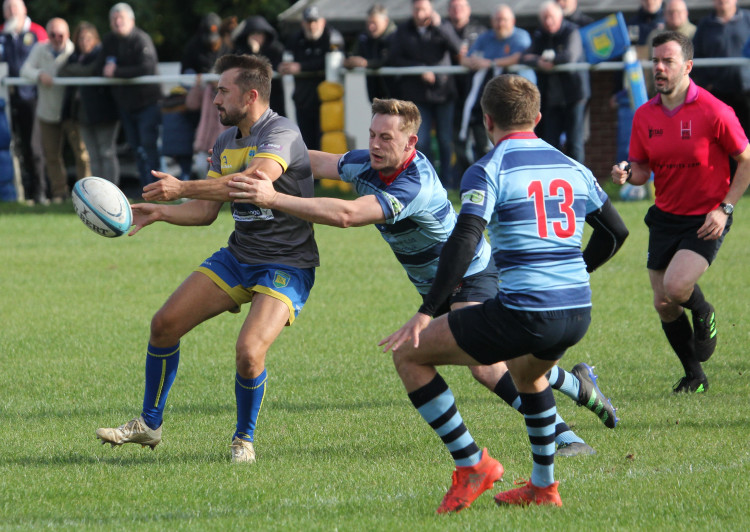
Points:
[[256, 36], [129, 52], [564, 94], [467, 31], [573, 14], [204, 47], [18, 35], [92, 105], [371, 50], [200, 98], [309, 47], [178, 121], [423, 41], [226, 31], [675, 19], [495, 49], [41, 66], [723, 34]]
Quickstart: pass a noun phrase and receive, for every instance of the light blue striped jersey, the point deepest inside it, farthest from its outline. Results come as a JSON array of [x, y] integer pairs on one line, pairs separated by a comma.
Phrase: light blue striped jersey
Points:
[[419, 216], [535, 200]]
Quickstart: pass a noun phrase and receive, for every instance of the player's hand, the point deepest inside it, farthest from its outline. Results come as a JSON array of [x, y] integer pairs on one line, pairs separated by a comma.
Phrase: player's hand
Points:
[[619, 173], [410, 330], [713, 226], [429, 77], [143, 214], [256, 189], [167, 188]]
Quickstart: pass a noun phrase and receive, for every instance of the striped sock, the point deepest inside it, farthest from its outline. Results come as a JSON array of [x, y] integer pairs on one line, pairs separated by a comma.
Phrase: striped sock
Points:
[[540, 415], [506, 390], [435, 402], [249, 395], [161, 370], [564, 381]]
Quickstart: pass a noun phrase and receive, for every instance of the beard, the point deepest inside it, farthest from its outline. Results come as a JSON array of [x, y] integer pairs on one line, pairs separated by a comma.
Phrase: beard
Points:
[[231, 119]]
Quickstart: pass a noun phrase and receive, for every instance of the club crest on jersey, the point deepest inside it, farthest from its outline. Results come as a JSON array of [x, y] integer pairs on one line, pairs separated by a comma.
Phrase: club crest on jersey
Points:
[[473, 196], [280, 279]]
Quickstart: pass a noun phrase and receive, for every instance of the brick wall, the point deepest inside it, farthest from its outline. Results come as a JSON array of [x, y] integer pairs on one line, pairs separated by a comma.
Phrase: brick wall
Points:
[[601, 145]]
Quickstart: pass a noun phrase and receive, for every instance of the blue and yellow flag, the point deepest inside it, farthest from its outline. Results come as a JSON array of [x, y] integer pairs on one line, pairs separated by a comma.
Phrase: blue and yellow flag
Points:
[[605, 39]]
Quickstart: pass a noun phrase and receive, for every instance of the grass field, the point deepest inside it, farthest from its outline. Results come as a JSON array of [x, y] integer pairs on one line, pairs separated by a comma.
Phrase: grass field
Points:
[[339, 445]]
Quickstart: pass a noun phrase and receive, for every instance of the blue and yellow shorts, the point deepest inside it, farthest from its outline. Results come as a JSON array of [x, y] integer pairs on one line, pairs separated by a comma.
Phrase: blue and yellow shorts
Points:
[[241, 281]]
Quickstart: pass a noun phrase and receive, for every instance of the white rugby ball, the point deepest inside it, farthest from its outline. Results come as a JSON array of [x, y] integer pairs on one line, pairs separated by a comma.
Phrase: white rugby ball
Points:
[[102, 207]]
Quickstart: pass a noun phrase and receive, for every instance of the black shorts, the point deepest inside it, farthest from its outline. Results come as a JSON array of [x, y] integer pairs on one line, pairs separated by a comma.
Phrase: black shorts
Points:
[[491, 332], [669, 233], [474, 288]]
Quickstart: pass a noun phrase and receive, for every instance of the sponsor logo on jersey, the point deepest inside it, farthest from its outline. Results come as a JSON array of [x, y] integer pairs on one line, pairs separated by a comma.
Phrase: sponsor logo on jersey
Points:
[[269, 146], [281, 279], [396, 205], [655, 132], [473, 196]]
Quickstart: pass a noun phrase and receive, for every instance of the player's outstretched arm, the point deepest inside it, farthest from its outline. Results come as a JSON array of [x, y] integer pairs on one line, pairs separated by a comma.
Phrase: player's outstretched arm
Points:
[[324, 165], [169, 188], [190, 213], [259, 191]]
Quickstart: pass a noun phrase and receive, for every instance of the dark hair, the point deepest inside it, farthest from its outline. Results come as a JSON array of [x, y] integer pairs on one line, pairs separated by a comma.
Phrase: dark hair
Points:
[[255, 72], [408, 111], [82, 27], [512, 101], [685, 43], [377, 9]]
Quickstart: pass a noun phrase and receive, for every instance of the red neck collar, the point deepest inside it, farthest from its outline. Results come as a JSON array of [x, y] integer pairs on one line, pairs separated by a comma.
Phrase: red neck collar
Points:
[[388, 179], [518, 135]]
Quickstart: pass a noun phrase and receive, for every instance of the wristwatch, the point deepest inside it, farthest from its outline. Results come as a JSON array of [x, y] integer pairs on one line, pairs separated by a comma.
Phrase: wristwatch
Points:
[[728, 208]]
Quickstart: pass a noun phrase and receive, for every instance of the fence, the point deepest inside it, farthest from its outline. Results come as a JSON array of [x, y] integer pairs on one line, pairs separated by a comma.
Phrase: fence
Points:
[[356, 103]]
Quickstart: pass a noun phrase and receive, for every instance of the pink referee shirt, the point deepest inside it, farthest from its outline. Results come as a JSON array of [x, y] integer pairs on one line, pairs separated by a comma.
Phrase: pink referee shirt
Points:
[[688, 150]]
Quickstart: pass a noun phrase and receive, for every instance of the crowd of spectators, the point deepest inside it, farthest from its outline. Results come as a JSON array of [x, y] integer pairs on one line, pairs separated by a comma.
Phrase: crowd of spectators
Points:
[[184, 123]]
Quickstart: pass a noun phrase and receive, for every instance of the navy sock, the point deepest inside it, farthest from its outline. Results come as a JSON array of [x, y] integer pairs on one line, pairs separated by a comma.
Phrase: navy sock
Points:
[[161, 370], [249, 395], [679, 333], [696, 302], [541, 413], [435, 402]]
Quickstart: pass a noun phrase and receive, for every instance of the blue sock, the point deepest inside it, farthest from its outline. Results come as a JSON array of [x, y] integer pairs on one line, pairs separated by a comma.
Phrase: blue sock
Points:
[[249, 394], [564, 381], [563, 434], [435, 402], [506, 390], [161, 370], [540, 414]]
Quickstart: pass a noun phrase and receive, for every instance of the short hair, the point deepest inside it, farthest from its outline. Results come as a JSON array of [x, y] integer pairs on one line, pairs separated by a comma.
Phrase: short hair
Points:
[[122, 7], [685, 43], [408, 111], [255, 72], [512, 101], [377, 9]]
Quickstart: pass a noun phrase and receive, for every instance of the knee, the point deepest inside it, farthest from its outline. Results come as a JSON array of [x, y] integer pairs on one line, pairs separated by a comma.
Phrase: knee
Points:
[[488, 375], [164, 328], [677, 291], [250, 358]]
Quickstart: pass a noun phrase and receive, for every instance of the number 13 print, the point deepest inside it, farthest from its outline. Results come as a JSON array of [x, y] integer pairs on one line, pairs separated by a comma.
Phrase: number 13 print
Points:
[[557, 187]]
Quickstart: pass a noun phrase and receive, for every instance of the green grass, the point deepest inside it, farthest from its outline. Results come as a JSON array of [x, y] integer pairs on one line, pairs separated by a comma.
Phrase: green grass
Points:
[[339, 446]]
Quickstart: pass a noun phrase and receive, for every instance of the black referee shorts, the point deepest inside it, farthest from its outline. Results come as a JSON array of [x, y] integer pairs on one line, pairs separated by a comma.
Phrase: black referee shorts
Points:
[[491, 332], [668, 233]]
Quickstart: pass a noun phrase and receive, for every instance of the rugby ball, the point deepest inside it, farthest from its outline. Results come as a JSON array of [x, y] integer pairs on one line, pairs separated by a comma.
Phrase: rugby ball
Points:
[[102, 207]]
